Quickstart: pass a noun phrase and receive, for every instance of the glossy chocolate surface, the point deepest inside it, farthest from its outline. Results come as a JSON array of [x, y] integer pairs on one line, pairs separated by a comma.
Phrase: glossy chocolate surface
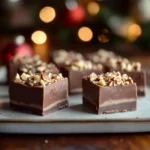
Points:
[[39, 100]]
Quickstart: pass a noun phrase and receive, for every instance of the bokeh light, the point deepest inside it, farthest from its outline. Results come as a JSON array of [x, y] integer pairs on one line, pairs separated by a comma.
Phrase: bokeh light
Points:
[[47, 14], [93, 8], [19, 39], [71, 4], [39, 37], [85, 34], [134, 31]]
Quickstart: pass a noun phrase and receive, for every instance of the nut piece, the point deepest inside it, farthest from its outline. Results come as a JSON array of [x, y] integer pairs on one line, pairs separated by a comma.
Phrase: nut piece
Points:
[[37, 78], [41, 68], [45, 77], [99, 66], [110, 79], [74, 68], [42, 82], [24, 69], [24, 76], [92, 76], [60, 75], [102, 83], [129, 67], [17, 76], [50, 75]]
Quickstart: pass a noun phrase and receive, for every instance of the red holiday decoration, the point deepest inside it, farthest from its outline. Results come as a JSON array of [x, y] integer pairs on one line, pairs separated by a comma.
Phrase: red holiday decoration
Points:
[[74, 17], [13, 49]]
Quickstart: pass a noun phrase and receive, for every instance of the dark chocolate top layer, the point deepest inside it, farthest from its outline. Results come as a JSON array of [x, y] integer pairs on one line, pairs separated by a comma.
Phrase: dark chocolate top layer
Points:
[[110, 79], [41, 79]]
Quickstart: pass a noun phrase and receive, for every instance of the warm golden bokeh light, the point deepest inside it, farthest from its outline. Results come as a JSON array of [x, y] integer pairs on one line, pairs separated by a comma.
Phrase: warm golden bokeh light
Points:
[[85, 34], [134, 31], [103, 38], [93, 8], [38, 37], [47, 14]]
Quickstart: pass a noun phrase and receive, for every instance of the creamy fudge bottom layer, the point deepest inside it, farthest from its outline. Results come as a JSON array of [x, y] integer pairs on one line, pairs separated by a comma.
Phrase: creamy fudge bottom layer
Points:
[[37, 109], [112, 106]]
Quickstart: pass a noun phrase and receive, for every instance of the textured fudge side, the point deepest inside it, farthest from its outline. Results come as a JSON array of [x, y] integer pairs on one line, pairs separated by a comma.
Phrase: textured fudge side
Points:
[[39, 100], [139, 77], [75, 70], [133, 69], [109, 99], [12, 69], [75, 78]]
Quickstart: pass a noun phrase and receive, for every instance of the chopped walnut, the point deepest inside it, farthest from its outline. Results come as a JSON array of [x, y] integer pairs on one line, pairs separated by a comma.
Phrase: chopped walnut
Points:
[[38, 68], [82, 65], [38, 79], [61, 56], [26, 59], [102, 56], [110, 79], [123, 64]]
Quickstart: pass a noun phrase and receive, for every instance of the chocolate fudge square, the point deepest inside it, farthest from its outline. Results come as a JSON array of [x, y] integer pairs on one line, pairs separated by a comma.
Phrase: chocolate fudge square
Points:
[[16, 62], [133, 69], [29, 64], [109, 93], [59, 57], [100, 56], [37, 94], [74, 71]]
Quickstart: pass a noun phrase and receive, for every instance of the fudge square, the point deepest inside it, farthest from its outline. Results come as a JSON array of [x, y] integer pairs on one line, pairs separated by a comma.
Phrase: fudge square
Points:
[[109, 93], [75, 70], [38, 94], [16, 62], [29, 64], [133, 69]]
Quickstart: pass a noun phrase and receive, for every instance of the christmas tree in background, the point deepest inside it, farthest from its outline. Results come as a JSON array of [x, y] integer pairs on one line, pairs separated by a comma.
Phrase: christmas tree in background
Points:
[[99, 22]]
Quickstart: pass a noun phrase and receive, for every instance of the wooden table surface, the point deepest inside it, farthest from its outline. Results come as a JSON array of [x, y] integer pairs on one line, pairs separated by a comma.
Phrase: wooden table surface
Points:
[[136, 141]]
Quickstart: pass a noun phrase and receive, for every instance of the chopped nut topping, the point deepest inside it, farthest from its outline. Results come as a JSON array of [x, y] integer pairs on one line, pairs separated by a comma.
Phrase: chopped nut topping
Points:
[[26, 59], [41, 79], [102, 55], [82, 65], [38, 68], [60, 56], [17, 76], [42, 82], [123, 64], [110, 79], [41, 68], [25, 76]]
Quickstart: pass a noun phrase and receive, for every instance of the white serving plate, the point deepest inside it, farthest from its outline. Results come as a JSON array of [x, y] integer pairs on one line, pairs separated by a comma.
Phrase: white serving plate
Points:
[[74, 119]]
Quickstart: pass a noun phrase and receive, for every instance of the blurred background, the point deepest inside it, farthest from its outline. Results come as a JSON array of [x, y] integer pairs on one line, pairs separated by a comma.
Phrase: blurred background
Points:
[[40, 26]]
